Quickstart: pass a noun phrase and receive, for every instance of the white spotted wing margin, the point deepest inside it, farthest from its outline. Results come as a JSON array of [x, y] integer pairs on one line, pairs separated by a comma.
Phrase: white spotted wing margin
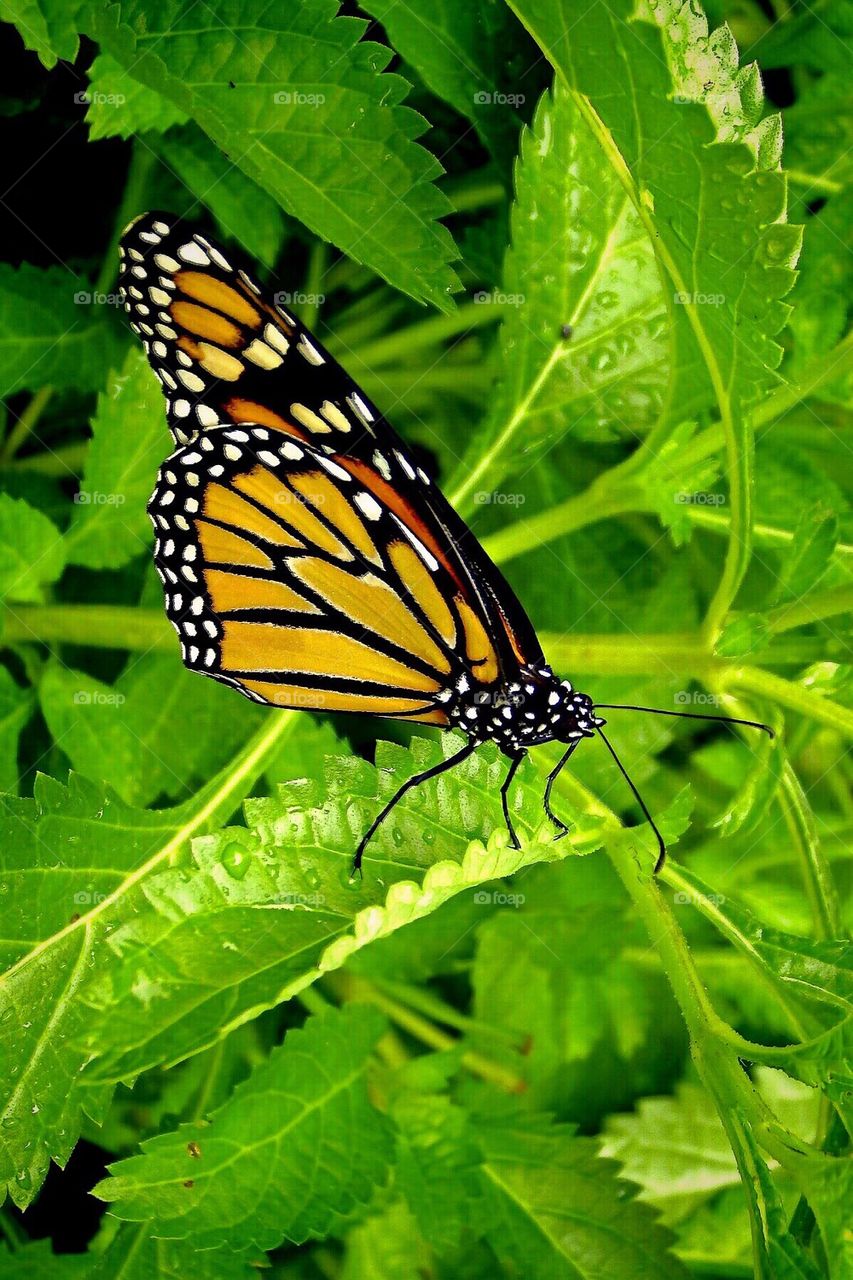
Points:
[[282, 578]]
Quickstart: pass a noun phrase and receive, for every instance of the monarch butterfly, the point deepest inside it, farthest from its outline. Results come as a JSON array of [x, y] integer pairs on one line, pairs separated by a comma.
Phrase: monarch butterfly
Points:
[[307, 560]]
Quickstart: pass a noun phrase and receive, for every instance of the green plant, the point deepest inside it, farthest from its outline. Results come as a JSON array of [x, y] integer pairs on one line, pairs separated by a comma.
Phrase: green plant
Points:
[[452, 1067]]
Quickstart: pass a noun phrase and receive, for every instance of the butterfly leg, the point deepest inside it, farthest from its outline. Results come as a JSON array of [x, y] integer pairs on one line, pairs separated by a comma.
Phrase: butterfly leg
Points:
[[414, 781], [562, 829], [511, 771]]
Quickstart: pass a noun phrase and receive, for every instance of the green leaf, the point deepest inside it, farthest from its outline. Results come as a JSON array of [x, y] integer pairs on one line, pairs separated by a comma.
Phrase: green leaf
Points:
[[679, 125], [809, 555], [312, 119], [675, 1149], [436, 1167], [463, 53], [153, 733], [48, 27], [16, 705], [555, 1207], [242, 210], [387, 1247], [37, 1261], [129, 441], [119, 106], [33, 555], [74, 862], [53, 330], [276, 906], [579, 257], [299, 1137]]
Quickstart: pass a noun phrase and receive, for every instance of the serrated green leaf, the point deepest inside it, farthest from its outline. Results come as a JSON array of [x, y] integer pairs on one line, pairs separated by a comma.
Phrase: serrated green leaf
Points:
[[37, 1261], [312, 119], [386, 1247], [33, 555], [53, 330], [119, 106], [580, 258], [463, 53], [242, 210], [74, 861], [436, 1167], [48, 27], [153, 733], [129, 441], [299, 1137], [556, 1208], [293, 865], [808, 557]]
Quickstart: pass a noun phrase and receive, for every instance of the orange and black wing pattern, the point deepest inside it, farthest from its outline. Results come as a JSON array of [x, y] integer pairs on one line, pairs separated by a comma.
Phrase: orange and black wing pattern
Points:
[[306, 558]]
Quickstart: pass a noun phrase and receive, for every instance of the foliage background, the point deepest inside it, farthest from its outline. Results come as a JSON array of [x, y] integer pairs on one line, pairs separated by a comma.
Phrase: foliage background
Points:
[[474, 1062]]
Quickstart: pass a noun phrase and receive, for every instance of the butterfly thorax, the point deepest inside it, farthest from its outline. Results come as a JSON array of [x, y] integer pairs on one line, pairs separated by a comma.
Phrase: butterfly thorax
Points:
[[533, 708]]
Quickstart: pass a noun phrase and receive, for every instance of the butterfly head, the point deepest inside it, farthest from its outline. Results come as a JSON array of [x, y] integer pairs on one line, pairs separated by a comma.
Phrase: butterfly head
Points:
[[534, 708]]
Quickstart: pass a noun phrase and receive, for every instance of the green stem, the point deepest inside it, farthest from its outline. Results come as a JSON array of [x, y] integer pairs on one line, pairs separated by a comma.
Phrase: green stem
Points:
[[103, 626], [399, 346], [424, 1001], [816, 873], [422, 1029], [811, 608], [142, 162], [25, 424], [664, 655], [764, 684], [465, 195], [318, 263]]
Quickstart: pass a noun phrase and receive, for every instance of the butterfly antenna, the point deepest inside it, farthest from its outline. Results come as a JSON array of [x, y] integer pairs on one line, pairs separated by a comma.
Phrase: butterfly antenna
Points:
[[640, 801], [685, 715]]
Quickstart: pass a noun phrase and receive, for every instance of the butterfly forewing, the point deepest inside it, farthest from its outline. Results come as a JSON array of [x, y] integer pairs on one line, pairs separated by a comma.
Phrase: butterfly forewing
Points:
[[306, 558]]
